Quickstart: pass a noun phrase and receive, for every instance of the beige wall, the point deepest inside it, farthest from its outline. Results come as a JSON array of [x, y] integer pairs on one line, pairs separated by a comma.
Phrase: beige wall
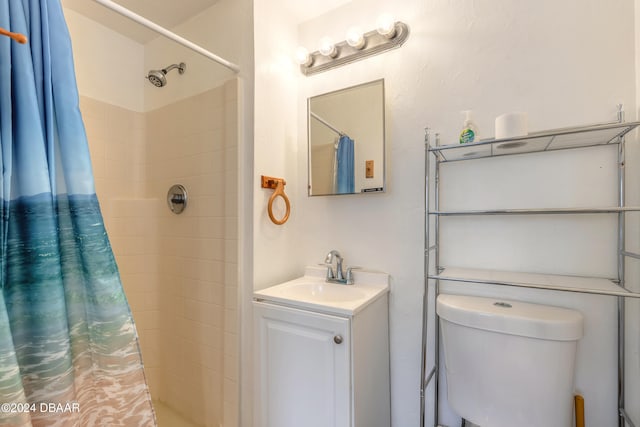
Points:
[[117, 143], [179, 271], [109, 67]]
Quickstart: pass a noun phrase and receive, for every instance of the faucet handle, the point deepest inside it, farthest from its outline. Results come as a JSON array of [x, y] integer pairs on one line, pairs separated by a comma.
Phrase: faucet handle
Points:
[[329, 272], [349, 278]]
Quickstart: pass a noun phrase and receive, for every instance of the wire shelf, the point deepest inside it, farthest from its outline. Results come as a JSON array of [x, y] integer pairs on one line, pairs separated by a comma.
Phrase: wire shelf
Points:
[[550, 140], [538, 211], [554, 282]]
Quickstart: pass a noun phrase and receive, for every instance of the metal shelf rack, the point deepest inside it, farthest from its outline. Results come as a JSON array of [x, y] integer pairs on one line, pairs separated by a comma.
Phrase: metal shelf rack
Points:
[[557, 139]]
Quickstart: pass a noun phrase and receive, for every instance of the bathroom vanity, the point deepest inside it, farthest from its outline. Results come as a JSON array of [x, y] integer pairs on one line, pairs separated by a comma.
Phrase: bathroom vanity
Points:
[[322, 352]]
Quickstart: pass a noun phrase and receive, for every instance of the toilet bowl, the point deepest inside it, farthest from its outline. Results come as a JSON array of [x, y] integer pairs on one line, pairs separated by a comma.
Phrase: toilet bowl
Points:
[[509, 363]]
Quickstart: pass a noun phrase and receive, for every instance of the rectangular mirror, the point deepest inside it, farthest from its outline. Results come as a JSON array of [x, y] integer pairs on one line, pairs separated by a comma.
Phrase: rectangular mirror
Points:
[[346, 140]]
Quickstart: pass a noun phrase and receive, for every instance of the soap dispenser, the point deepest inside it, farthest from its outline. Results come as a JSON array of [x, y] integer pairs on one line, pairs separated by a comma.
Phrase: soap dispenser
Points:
[[469, 131]]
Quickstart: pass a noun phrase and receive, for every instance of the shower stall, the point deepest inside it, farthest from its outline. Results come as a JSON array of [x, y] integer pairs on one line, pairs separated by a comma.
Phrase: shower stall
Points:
[[179, 271]]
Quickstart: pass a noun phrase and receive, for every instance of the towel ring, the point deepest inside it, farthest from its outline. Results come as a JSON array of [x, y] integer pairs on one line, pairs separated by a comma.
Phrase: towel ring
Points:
[[278, 185]]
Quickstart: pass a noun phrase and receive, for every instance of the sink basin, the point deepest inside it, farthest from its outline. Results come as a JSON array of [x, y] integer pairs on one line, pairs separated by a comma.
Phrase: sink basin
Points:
[[323, 292], [313, 292]]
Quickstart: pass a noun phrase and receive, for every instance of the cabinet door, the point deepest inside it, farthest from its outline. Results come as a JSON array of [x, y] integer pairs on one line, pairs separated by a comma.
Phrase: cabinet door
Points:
[[302, 368]]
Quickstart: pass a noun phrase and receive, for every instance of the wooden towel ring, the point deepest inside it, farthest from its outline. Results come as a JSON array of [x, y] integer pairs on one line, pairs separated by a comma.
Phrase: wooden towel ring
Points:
[[278, 185], [20, 38]]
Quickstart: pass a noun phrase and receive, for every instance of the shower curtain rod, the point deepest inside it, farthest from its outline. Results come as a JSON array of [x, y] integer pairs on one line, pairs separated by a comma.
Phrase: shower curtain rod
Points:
[[171, 35], [326, 123]]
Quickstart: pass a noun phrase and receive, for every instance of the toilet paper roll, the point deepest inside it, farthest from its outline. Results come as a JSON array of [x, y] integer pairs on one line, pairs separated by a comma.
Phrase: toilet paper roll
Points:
[[509, 125]]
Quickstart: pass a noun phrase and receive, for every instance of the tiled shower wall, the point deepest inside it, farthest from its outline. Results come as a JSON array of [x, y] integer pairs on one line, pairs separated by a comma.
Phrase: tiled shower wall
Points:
[[179, 271], [117, 143]]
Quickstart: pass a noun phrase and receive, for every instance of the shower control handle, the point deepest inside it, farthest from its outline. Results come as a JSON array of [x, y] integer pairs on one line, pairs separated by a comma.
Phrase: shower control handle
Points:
[[177, 198]]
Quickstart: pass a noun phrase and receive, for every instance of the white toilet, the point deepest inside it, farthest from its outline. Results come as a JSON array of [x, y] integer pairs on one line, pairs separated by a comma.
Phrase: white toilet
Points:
[[509, 363]]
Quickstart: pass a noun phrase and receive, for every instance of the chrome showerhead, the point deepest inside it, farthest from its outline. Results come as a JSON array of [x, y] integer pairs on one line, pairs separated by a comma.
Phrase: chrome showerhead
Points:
[[158, 77]]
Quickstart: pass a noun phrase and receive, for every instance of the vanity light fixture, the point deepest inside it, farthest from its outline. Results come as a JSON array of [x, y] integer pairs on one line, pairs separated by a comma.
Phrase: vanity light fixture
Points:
[[386, 26], [303, 57], [355, 38], [389, 34], [328, 48]]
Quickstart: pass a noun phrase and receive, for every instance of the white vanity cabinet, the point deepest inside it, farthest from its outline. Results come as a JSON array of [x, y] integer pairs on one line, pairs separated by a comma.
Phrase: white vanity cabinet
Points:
[[317, 368], [303, 367]]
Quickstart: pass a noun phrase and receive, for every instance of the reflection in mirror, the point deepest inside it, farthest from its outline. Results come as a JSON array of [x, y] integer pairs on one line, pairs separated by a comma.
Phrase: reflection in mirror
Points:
[[346, 140]]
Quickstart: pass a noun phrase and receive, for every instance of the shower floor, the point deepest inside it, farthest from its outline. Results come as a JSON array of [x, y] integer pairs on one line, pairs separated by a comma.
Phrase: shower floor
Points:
[[167, 417]]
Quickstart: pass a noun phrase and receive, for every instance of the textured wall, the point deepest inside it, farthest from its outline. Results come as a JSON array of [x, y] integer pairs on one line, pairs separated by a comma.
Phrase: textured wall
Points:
[[490, 57]]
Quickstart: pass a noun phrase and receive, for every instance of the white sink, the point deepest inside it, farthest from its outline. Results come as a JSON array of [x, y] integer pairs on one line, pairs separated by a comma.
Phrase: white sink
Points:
[[323, 292], [311, 291]]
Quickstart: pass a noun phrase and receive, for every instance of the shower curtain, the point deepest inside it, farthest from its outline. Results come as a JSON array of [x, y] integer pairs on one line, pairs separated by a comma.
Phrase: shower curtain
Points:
[[345, 166], [69, 352]]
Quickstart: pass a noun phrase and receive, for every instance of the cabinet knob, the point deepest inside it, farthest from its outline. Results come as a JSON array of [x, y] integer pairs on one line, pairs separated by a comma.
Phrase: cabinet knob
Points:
[[337, 339]]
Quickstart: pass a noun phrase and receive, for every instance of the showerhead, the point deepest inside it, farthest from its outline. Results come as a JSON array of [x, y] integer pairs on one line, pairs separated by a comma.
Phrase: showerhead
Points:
[[158, 77]]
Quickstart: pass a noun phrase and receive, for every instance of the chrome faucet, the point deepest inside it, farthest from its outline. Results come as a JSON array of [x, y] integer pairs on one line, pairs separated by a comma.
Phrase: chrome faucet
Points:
[[337, 275]]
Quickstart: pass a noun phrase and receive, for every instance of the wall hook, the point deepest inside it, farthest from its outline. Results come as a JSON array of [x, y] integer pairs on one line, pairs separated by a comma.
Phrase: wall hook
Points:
[[276, 184]]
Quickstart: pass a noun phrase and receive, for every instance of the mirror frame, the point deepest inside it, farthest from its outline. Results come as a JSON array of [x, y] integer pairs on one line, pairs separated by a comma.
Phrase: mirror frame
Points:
[[381, 189]]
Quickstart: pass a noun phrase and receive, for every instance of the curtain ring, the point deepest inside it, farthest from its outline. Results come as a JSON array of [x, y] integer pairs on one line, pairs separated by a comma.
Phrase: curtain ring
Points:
[[279, 191]]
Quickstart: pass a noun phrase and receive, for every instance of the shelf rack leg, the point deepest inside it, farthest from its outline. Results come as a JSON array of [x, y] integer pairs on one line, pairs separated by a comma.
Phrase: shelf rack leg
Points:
[[426, 313], [436, 323], [425, 296], [621, 278]]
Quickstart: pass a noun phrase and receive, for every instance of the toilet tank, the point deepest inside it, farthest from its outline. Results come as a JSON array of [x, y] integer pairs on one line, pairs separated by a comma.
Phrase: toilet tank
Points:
[[509, 363]]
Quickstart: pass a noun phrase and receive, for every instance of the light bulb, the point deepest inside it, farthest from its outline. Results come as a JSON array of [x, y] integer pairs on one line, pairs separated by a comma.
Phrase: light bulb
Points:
[[355, 38], [303, 57], [327, 48], [386, 26]]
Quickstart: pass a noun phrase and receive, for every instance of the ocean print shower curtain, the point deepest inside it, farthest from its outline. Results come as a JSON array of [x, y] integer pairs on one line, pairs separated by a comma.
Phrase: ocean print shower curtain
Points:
[[69, 353]]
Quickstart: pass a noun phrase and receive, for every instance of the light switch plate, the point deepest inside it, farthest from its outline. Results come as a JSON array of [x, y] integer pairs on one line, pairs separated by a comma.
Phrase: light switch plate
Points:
[[369, 169]]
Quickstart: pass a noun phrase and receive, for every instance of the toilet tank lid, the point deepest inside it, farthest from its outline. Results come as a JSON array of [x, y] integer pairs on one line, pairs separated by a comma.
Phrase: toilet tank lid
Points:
[[511, 317]]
